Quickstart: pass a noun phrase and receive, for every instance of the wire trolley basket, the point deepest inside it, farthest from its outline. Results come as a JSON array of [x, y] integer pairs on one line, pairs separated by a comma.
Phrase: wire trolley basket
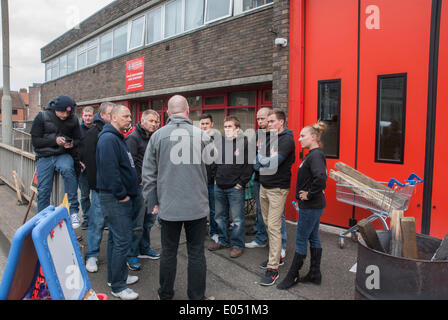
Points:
[[381, 201]]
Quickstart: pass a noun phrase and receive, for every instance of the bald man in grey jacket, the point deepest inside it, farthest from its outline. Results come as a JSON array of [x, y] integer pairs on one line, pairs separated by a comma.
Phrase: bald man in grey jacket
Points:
[[175, 184]]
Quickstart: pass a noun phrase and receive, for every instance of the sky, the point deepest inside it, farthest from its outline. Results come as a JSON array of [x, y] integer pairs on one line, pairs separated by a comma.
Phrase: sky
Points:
[[35, 23]]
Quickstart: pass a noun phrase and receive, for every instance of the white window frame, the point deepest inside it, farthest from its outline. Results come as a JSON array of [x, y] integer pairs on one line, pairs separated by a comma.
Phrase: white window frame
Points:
[[66, 70], [48, 71], [184, 5], [127, 39], [217, 19], [111, 33], [162, 24], [142, 40], [182, 19], [239, 7], [76, 61], [55, 64], [90, 45], [79, 51]]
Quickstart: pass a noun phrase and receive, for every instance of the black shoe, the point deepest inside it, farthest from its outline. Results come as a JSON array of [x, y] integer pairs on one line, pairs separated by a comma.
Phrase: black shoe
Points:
[[269, 278], [264, 264], [84, 225], [292, 277], [314, 275]]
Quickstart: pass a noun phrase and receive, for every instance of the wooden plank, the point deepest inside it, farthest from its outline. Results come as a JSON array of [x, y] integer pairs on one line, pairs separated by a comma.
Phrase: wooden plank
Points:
[[442, 252], [369, 235], [396, 246], [409, 238], [19, 194]]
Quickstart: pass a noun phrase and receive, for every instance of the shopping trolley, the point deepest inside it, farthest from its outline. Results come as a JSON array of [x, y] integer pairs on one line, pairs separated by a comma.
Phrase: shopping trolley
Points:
[[380, 201]]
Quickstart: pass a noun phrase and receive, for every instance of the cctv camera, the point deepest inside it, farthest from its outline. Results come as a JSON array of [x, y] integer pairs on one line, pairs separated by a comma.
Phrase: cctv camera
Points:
[[281, 42]]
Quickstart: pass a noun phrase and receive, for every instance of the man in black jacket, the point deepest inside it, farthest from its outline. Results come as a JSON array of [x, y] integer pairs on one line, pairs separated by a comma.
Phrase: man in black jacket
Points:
[[137, 142], [55, 136], [232, 172], [96, 215]]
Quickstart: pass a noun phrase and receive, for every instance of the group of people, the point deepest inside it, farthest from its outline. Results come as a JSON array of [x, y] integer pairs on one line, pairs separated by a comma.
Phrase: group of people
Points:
[[189, 177]]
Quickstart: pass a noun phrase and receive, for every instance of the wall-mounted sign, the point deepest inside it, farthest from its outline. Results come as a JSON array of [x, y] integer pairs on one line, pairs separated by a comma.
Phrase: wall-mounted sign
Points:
[[135, 74]]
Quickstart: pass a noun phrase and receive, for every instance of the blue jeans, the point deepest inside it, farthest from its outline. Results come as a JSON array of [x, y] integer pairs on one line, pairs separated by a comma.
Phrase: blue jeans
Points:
[[85, 195], [308, 230], [197, 268], [120, 217], [97, 222], [211, 200], [230, 199], [45, 172], [262, 236], [145, 241]]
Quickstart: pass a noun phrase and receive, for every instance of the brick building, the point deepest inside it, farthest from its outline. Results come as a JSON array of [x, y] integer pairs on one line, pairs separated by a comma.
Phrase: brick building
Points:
[[19, 110], [219, 54]]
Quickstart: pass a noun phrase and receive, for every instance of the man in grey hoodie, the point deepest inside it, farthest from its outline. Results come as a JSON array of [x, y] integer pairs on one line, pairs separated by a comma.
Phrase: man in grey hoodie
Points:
[[175, 185]]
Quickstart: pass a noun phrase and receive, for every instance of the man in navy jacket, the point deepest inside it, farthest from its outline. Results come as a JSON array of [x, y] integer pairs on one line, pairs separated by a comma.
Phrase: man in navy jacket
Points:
[[117, 182]]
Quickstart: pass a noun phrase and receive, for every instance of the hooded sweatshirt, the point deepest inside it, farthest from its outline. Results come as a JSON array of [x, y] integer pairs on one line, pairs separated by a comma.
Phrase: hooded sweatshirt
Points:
[[115, 168]]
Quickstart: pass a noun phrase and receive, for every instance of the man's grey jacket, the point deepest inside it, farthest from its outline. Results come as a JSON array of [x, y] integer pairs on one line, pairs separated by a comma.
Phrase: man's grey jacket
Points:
[[174, 174]]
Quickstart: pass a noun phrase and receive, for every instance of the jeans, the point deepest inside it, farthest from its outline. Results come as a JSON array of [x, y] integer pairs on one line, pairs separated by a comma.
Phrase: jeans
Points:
[[308, 229], [211, 200], [230, 199], [197, 269], [97, 222], [85, 195], [145, 241], [120, 217], [262, 236], [45, 172]]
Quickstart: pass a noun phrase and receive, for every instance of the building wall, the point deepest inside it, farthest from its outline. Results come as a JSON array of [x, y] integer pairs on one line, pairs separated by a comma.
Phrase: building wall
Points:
[[237, 48]]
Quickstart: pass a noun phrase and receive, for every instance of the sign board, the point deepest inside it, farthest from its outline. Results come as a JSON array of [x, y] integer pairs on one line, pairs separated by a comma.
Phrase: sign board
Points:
[[135, 74]]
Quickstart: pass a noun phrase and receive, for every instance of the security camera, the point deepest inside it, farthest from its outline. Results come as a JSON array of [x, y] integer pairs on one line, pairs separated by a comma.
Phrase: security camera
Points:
[[281, 42]]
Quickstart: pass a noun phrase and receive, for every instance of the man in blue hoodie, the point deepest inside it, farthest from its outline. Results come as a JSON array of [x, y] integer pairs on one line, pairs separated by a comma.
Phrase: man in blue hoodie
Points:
[[117, 182], [274, 161]]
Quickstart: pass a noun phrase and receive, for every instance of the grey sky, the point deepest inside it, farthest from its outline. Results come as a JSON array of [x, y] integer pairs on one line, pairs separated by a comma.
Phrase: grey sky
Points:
[[35, 23]]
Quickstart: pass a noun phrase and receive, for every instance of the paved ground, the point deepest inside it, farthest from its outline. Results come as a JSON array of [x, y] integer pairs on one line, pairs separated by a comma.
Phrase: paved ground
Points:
[[227, 278]]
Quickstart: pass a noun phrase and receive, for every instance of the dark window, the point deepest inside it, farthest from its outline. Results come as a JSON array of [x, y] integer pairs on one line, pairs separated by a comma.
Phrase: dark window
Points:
[[214, 100], [157, 104], [242, 98], [329, 111], [391, 110]]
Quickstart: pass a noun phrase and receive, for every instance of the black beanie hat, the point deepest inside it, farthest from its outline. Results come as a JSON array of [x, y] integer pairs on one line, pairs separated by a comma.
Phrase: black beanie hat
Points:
[[63, 103]]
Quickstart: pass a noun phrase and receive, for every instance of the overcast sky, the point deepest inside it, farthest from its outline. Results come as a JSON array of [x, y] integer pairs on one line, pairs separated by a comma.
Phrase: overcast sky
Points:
[[35, 23]]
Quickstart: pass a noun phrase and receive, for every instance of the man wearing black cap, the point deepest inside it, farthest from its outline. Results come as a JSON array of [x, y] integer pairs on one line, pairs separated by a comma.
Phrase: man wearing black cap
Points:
[[55, 135]]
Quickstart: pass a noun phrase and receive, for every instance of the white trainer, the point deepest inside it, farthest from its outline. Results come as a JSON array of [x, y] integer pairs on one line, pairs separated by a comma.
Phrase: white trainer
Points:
[[130, 280], [75, 220], [283, 254], [126, 294], [254, 244], [91, 264], [215, 238]]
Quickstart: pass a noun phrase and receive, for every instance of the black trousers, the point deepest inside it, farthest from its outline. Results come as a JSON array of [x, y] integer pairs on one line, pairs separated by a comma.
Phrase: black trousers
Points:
[[195, 231]]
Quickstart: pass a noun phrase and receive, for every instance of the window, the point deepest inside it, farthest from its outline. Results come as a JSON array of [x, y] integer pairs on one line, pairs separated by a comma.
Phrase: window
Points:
[[246, 117], [154, 25], [82, 57], [106, 46], [157, 104], [242, 98], [63, 65], [217, 9], [92, 52], [48, 71], [329, 111], [173, 18], [218, 118], [391, 110], [194, 102], [194, 14], [214, 101], [120, 40], [71, 62], [55, 69], [137, 33]]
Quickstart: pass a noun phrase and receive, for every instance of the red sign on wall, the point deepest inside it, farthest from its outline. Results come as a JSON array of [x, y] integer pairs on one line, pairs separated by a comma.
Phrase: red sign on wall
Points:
[[135, 74]]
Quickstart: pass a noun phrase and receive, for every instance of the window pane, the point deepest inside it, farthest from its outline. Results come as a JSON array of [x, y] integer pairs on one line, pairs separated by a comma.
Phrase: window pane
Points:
[[137, 33], [218, 118], [217, 9], [329, 112], [173, 18], [268, 96], [63, 65], [55, 69], [154, 26], [250, 4], [194, 116], [243, 98], [92, 52], [157, 104], [194, 102], [391, 116], [194, 13], [71, 62], [144, 106], [209, 101], [106, 46], [246, 117], [120, 40], [48, 72]]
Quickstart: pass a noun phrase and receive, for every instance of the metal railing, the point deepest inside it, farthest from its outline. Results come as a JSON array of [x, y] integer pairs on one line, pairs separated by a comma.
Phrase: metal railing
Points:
[[22, 140], [24, 164]]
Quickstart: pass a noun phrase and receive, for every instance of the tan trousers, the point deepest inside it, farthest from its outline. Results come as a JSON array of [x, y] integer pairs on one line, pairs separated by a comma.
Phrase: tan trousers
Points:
[[272, 203]]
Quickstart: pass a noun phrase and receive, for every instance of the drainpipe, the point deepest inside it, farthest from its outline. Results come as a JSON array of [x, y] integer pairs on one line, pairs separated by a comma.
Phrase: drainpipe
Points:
[[6, 98]]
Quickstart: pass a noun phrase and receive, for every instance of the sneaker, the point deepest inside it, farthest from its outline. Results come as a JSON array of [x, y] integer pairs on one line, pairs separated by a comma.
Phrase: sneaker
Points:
[[215, 238], [133, 264], [254, 244], [264, 265], [75, 220], [126, 294], [130, 280], [283, 254], [269, 278], [151, 254], [91, 264]]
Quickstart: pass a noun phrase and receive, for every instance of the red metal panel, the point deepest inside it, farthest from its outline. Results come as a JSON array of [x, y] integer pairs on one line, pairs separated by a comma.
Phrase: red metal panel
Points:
[[399, 45], [439, 217]]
